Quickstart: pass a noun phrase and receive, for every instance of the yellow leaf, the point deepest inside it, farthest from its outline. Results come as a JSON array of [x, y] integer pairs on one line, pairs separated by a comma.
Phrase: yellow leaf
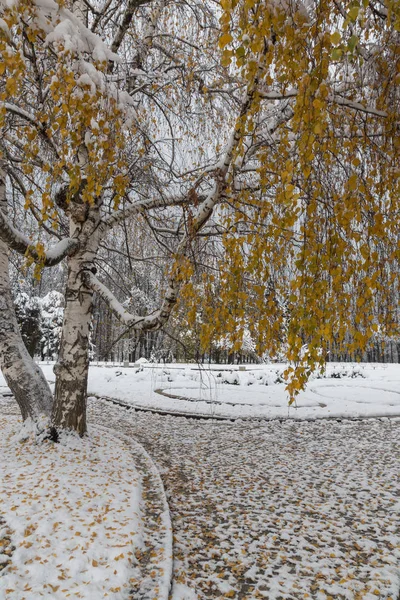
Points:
[[317, 103], [353, 12], [119, 557], [352, 183], [11, 85], [224, 40]]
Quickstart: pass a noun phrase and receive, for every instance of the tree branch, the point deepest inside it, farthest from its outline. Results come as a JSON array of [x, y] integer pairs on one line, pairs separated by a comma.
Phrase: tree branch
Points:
[[22, 244], [149, 322], [137, 207], [333, 98], [20, 112], [336, 99], [126, 21]]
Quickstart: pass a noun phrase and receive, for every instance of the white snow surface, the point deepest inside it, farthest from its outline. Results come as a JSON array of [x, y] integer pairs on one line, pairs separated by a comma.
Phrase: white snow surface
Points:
[[73, 513], [278, 510], [181, 591], [344, 390]]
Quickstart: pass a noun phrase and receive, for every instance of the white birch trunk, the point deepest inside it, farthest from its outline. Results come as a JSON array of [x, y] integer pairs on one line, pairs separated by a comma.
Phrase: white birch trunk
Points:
[[69, 411], [23, 376]]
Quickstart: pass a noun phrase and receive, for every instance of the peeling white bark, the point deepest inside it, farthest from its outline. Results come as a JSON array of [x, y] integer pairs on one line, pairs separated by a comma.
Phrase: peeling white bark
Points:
[[23, 376], [69, 411]]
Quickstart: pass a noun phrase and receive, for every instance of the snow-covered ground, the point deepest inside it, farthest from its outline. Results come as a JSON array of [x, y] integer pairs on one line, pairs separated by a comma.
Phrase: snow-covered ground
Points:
[[277, 510], [72, 513], [345, 390]]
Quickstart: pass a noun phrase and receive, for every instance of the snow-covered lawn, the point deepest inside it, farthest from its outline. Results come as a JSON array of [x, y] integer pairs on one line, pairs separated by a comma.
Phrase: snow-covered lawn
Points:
[[72, 512], [278, 510], [345, 390]]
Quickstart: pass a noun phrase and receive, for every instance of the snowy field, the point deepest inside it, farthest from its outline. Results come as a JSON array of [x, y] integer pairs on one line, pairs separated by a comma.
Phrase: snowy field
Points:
[[72, 511], [281, 509], [345, 390]]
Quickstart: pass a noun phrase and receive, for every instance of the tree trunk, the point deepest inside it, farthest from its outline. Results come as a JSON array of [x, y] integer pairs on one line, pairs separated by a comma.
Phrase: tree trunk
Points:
[[23, 376], [69, 411]]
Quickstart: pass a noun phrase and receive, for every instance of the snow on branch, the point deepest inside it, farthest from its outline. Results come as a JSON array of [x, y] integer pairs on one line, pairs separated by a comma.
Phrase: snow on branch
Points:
[[336, 99], [63, 26], [333, 98], [65, 32], [131, 6], [149, 322], [22, 244], [141, 205], [61, 250]]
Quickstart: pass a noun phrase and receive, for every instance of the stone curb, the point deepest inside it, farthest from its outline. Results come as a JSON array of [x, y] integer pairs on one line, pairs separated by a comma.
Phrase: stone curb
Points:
[[156, 561]]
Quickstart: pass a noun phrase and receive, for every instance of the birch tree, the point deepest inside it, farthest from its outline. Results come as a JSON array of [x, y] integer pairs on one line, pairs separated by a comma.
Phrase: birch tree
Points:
[[23, 376], [70, 130], [119, 110]]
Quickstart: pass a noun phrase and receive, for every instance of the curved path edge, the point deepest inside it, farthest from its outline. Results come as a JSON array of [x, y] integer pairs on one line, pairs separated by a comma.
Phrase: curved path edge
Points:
[[233, 418], [156, 560], [161, 411]]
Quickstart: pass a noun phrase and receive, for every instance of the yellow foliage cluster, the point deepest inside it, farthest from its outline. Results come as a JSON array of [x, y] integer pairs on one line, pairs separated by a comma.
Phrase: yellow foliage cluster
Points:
[[311, 257], [74, 114]]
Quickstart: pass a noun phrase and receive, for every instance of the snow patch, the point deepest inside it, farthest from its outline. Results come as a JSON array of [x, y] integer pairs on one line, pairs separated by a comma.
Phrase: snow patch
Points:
[[73, 510]]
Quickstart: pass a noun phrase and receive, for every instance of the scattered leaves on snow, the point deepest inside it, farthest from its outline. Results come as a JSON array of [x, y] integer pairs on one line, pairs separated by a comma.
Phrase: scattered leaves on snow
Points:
[[277, 510]]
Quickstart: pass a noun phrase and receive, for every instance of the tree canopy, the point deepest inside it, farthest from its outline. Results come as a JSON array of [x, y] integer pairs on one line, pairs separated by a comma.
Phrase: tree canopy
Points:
[[256, 142], [316, 250]]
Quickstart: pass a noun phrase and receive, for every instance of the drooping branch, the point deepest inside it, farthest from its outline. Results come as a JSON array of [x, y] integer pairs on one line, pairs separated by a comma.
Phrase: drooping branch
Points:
[[20, 184], [22, 244], [204, 211], [206, 208], [333, 98], [138, 323], [23, 114]]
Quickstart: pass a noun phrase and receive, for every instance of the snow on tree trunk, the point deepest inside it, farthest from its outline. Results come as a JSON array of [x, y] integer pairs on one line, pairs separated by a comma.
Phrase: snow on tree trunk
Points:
[[69, 411], [23, 376]]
